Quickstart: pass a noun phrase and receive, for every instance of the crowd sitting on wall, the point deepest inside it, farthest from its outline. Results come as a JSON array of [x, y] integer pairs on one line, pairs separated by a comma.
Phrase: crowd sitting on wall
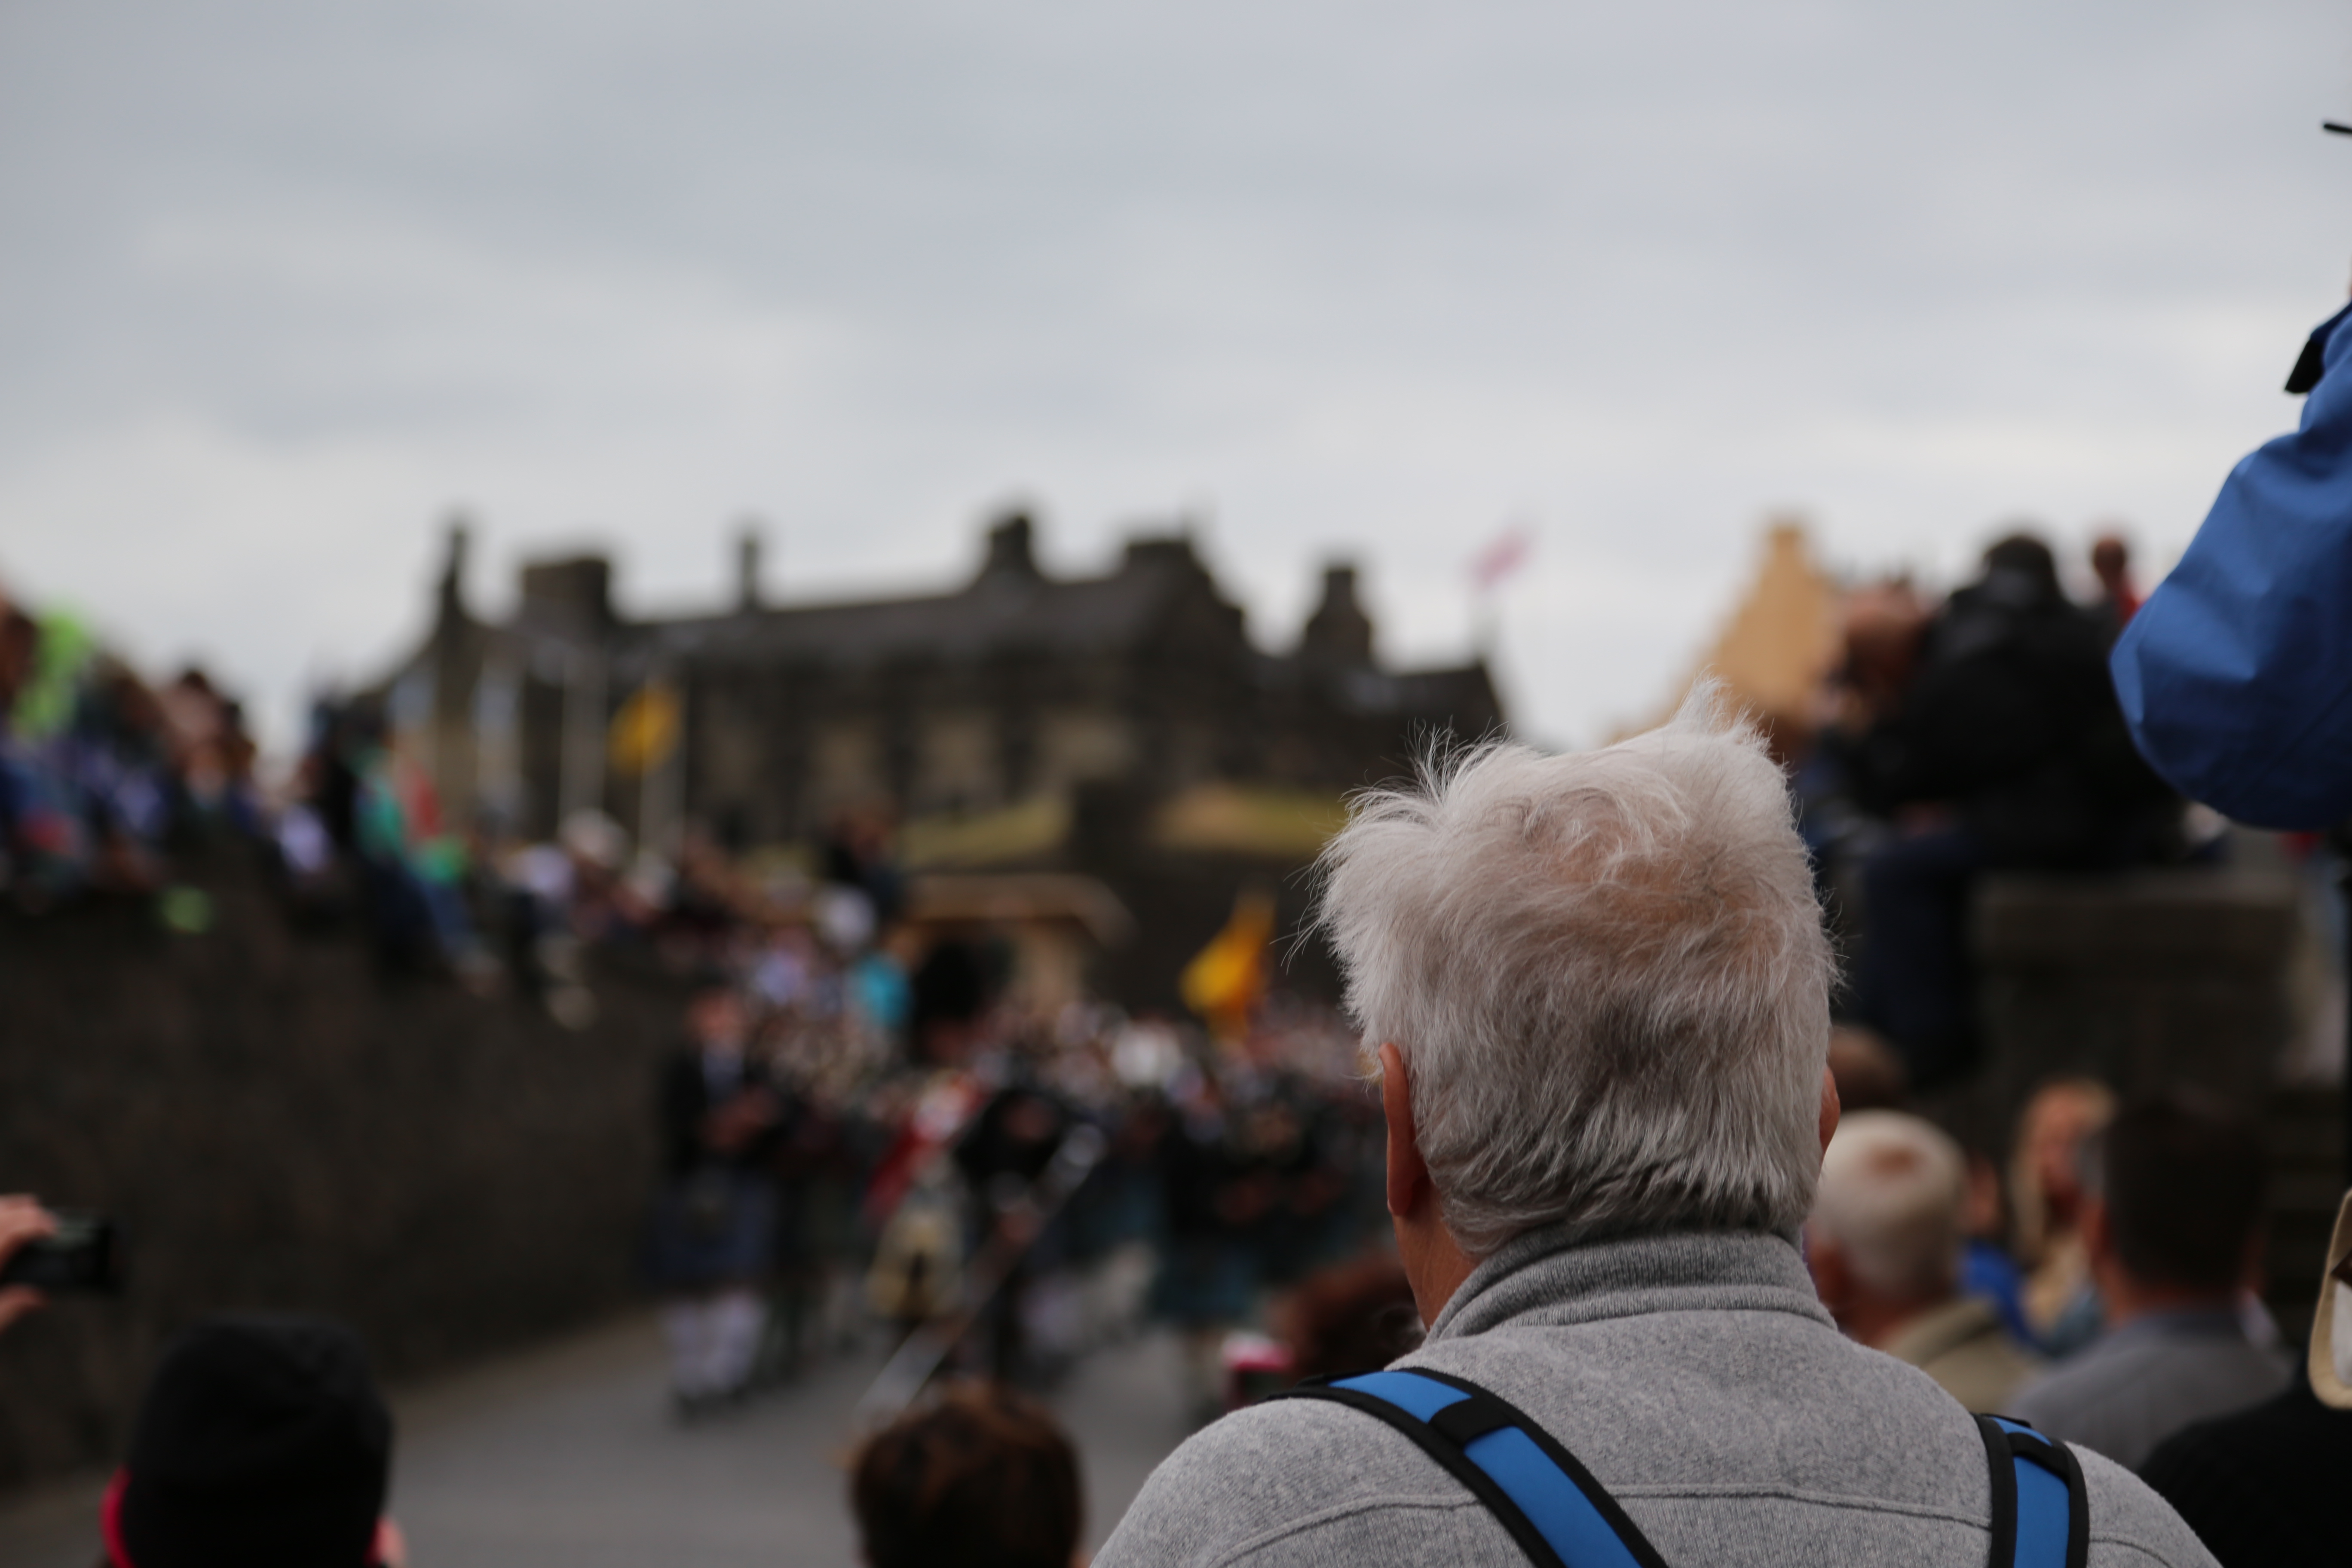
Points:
[[1952, 740], [102, 774], [1974, 735]]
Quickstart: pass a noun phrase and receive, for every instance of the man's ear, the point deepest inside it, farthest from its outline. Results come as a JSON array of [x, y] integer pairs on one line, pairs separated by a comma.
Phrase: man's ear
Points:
[[1831, 1108], [2098, 1236], [1407, 1185]]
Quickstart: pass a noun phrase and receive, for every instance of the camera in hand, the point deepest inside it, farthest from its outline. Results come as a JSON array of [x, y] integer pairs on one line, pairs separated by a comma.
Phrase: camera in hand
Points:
[[81, 1258]]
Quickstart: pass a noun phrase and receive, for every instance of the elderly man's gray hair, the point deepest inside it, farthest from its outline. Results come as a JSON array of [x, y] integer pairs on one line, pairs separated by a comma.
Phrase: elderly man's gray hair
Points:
[[1607, 975]]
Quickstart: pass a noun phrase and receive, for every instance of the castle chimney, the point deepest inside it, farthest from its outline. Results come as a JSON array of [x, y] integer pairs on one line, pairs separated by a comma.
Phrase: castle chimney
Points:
[[747, 567], [451, 607], [1339, 632], [571, 597], [1009, 552]]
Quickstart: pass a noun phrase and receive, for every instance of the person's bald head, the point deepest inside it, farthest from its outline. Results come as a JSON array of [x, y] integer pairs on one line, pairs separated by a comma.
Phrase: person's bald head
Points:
[[1890, 1204]]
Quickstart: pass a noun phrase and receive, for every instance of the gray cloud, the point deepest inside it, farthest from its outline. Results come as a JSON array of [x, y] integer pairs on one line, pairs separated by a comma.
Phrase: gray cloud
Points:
[[283, 282]]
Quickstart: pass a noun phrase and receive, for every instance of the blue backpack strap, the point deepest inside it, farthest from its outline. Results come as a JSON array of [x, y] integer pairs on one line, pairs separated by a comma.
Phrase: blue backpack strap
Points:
[[2041, 1512], [1549, 1503]]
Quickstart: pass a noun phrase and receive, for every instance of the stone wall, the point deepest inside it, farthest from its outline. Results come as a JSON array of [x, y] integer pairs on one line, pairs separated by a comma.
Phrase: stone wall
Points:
[[2165, 979], [278, 1127]]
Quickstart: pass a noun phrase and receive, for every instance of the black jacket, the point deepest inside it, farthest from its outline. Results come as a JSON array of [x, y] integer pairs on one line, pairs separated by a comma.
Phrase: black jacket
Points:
[[686, 1097], [2013, 721]]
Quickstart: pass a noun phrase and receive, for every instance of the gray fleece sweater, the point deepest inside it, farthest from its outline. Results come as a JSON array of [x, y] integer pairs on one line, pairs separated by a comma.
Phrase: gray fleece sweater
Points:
[[1699, 1380]]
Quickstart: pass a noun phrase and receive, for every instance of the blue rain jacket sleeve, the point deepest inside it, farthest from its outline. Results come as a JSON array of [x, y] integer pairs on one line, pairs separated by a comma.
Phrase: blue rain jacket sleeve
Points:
[[2236, 675]]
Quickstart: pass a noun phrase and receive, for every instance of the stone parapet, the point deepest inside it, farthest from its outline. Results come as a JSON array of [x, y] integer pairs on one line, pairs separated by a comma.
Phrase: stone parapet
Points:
[[279, 1128], [2156, 979]]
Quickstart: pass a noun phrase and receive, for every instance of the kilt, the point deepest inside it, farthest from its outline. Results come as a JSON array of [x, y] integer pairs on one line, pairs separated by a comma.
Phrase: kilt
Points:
[[712, 1226]]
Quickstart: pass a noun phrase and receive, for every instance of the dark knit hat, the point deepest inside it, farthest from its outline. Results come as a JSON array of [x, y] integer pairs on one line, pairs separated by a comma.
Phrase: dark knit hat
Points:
[[262, 1444]]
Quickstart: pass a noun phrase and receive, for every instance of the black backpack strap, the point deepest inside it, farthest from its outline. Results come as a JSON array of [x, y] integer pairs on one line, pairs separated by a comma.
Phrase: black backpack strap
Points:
[[1549, 1503], [2040, 1510]]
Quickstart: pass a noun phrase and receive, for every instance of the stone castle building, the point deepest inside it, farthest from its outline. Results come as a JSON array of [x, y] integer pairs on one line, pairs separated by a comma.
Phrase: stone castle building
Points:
[[1124, 726]]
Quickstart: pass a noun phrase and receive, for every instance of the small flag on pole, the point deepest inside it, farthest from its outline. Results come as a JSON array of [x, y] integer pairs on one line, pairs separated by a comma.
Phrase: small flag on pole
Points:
[[1505, 556], [1227, 979], [645, 731]]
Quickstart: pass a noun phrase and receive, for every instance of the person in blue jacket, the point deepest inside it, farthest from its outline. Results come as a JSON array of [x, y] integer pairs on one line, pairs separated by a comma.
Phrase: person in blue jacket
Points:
[[2236, 675]]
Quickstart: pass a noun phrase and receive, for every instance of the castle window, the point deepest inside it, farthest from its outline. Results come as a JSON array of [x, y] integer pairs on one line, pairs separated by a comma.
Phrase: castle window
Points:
[[959, 762], [1080, 746], [847, 767]]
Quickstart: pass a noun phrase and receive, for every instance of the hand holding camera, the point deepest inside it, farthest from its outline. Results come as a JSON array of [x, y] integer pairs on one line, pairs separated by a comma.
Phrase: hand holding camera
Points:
[[43, 1253], [23, 1220]]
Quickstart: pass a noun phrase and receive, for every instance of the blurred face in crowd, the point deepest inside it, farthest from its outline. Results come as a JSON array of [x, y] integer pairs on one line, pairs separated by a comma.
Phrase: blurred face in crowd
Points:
[[2055, 1126], [1884, 625], [2111, 560], [717, 1019], [1984, 1215]]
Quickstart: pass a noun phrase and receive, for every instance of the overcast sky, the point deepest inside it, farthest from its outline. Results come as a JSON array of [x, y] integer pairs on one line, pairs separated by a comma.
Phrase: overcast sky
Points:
[[282, 284]]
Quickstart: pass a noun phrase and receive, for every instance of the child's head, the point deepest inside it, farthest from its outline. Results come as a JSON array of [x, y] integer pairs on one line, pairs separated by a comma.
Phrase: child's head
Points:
[[261, 1442], [979, 1476]]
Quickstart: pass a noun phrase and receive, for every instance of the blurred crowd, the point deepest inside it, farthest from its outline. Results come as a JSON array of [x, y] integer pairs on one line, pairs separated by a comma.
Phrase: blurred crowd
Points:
[[360, 837], [1956, 737], [102, 774], [866, 1123], [858, 1107], [830, 1163], [2107, 1291], [2121, 1236]]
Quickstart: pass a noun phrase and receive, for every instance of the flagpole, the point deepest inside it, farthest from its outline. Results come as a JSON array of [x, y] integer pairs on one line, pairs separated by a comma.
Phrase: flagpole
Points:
[[1485, 623], [1501, 558]]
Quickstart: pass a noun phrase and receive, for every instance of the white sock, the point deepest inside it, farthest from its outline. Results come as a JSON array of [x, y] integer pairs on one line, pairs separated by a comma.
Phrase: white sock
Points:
[[735, 1319], [687, 1324]]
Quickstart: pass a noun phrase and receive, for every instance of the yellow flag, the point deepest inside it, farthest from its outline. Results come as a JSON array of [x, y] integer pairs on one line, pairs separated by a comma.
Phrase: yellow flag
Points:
[[1227, 978], [645, 731]]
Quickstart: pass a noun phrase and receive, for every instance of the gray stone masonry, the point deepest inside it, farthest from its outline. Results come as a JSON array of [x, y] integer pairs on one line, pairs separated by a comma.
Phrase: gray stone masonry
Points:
[[279, 1128]]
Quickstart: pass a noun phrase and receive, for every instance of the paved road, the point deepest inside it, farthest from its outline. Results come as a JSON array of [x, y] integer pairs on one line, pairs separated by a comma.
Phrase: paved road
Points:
[[566, 1457]]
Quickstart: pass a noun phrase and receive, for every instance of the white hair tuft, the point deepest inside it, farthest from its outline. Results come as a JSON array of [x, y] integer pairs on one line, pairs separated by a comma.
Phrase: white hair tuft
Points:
[[1606, 973]]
